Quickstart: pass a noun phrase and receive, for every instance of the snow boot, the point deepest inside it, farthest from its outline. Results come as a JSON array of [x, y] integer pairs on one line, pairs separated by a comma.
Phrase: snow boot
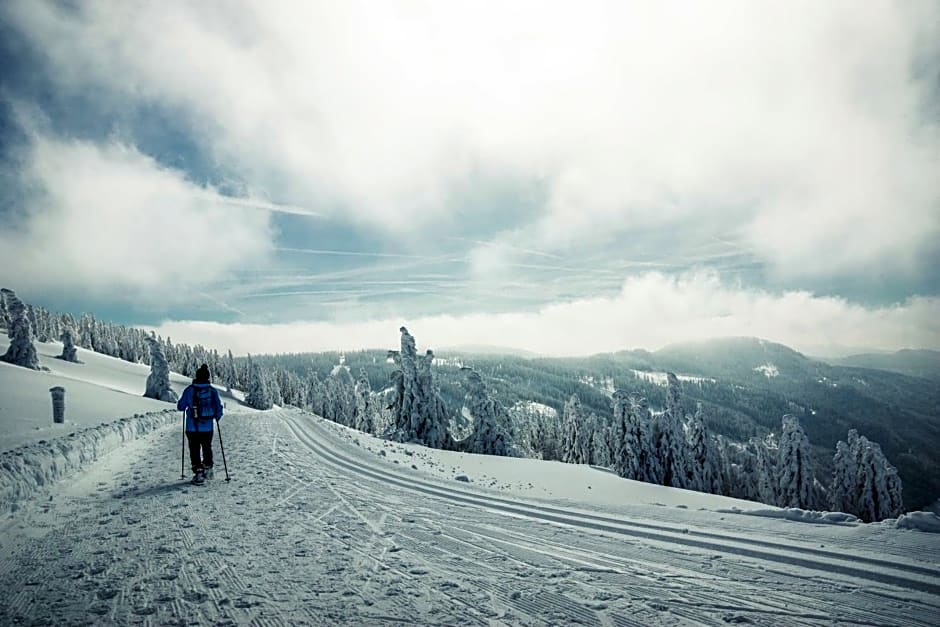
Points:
[[208, 472], [199, 477]]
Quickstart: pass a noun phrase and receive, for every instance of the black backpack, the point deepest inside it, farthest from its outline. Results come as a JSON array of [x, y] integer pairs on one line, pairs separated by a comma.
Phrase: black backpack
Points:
[[203, 403]]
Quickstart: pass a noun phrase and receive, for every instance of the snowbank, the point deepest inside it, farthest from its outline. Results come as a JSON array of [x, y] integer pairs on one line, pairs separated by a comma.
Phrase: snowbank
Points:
[[921, 521], [798, 515], [24, 470]]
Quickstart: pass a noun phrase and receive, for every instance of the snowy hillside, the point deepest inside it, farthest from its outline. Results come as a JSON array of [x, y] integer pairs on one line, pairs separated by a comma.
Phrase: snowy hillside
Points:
[[323, 525]]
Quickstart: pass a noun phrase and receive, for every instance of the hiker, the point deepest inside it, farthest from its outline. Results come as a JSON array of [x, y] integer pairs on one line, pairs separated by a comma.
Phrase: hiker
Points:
[[202, 405]]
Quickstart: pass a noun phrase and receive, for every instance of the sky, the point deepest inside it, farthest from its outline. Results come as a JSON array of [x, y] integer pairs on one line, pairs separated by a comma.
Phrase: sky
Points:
[[563, 178]]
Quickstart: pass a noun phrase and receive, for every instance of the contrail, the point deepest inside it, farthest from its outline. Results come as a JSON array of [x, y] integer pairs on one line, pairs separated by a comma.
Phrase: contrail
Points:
[[527, 251], [249, 203]]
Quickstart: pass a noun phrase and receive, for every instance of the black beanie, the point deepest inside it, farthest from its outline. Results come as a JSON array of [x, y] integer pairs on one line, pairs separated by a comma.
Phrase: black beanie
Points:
[[202, 375]]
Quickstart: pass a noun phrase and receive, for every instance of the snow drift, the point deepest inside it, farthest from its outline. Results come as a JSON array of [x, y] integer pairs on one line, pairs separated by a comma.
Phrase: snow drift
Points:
[[24, 470]]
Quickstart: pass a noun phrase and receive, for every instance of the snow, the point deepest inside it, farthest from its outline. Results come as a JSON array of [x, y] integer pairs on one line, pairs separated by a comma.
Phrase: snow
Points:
[[799, 515], [768, 370], [602, 384], [99, 390], [660, 378], [922, 521], [322, 524]]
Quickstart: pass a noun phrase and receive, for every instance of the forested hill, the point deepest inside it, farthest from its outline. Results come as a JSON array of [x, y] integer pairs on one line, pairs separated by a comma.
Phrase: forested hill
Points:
[[917, 363], [745, 386]]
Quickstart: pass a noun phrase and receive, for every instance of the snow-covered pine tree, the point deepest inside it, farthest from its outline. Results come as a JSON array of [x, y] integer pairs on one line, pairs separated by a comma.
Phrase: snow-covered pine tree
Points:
[[5, 319], [765, 470], [21, 351], [431, 425], [316, 399], [363, 418], [573, 433], [258, 395], [877, 491], [627, 437], [845, 467], [69, 352], [158, 382], [489, 435], [704, 471], [409, 397], [228, 377], [669, 439], [600, 444], [794, 466]]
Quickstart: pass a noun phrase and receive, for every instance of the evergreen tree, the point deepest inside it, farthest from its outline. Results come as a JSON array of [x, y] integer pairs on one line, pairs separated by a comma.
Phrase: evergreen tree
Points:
[[364, 414], [5, 319], [21, 351], [864, 483], [765, 471], [600, 444], [258, 395], [572, 433], [669, 442], [158, 383], [628, 438], [704, 472], [490, 435], [795, 467], [69, 352]]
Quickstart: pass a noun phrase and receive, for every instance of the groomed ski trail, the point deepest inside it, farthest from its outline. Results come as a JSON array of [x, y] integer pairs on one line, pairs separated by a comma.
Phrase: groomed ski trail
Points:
[[312, 530]]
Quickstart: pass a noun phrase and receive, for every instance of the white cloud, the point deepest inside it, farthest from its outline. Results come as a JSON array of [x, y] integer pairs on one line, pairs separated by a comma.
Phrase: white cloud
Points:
[[798, 127], [651, 311], [109, 220]]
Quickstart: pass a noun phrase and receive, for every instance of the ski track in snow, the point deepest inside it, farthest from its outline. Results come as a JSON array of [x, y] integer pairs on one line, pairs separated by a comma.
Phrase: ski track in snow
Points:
[[313, 531]]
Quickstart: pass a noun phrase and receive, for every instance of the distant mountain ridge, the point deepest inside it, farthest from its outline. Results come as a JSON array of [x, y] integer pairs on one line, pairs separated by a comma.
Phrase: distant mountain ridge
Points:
[[921, 362]]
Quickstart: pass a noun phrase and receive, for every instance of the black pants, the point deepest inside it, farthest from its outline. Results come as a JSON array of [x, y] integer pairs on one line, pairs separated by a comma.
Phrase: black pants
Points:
[[200, 440]]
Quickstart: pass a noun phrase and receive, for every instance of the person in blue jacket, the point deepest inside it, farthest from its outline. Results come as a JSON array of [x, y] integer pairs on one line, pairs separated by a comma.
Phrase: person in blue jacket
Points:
[[202, 405]]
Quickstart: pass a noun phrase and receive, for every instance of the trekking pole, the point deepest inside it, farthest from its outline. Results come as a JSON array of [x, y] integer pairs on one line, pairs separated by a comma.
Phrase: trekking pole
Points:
[[222, 446], [183, 451]]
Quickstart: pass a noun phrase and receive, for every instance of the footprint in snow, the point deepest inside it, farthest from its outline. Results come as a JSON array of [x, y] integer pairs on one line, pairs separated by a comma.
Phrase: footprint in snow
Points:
[[195, 596], [107, 593]]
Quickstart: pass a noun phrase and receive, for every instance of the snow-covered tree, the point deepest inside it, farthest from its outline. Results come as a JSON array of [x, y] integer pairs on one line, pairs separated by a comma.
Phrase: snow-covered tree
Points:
[[21, 351], [668, 439], [69, 352], [258, 395], [575, 436], [704, 470], [5, 319], [158, 383], [600, 445], [627, 438], [490, 435], [864, 482], [420, 413], [765, 470], [363, 418], [794, 467]]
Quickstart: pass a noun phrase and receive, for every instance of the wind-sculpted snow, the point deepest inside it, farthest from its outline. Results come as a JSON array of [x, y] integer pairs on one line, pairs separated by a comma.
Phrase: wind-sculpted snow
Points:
[[922, 521], [799, 515], [25, 470]]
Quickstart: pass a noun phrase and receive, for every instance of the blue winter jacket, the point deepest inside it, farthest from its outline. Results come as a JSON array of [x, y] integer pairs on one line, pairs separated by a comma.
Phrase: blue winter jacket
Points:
[[186, 403]]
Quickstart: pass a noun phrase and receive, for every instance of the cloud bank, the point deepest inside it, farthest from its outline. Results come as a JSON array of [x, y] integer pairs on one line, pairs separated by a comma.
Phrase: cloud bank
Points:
[[651, 311], [802, 130], [107, 219]]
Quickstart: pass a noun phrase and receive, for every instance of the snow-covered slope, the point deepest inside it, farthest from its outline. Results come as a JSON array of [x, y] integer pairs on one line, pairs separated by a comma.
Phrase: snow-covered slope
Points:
[[323, 525], [99, 390]]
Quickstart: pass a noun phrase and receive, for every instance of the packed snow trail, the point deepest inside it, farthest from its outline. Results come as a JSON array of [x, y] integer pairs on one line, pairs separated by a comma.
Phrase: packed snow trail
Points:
[[310, 531]]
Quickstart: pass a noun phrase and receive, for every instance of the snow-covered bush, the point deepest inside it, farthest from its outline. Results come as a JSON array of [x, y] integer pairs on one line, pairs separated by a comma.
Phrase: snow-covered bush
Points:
[[69, 352], [158, 382], [21, 351]]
